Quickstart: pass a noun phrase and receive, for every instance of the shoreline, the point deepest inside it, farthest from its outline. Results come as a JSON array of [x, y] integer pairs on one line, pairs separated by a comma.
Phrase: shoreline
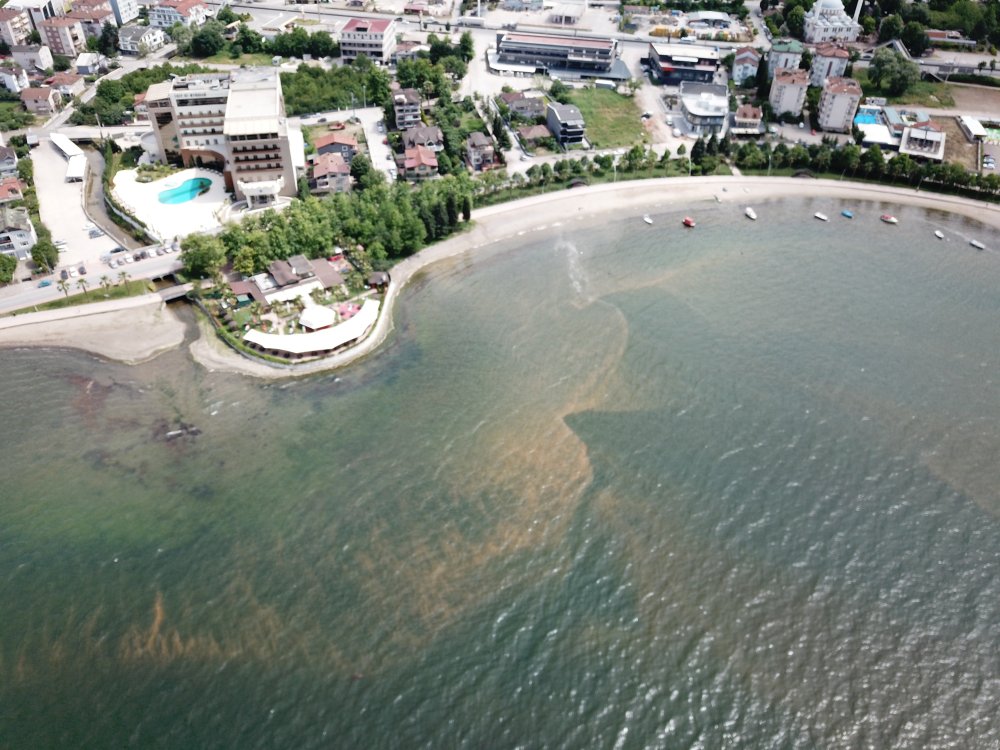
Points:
[[107, 333]]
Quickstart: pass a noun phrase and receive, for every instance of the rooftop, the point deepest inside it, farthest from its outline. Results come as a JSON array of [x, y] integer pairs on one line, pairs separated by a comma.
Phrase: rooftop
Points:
[[419, 156], [343, 139], [693, 51], [57, 21], [367, 25], [842, 86], [560, 41], [254, 104], [791, 77], [36, 93], [828, 49], [327, 164]]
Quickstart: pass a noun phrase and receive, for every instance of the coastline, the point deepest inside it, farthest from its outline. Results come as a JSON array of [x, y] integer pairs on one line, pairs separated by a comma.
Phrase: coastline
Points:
[[107, 333]]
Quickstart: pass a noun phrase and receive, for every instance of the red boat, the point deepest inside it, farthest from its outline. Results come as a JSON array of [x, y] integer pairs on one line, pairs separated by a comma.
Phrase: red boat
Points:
[[688, 222]]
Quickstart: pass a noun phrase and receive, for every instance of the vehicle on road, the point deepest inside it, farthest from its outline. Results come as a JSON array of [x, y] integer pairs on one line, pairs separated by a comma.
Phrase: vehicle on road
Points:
[[118, 249], [95, 233], [64, 274], [83, 270], [44, 283]]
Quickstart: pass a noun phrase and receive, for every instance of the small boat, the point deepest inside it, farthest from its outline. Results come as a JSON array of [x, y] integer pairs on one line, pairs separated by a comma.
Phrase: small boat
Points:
[[821, 217], [939, 234], [889, 219], [750, 213], [847, 214], [688, 222], [977, 244], [646, 218]]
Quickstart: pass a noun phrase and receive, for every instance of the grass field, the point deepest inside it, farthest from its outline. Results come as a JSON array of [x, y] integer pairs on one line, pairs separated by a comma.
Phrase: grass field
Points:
[[611, 119], [95, 293], [923, 93], [224, 58]]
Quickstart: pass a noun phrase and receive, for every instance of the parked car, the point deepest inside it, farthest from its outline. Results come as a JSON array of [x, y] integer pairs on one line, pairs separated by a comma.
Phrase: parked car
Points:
[[159, 251], [44, 283], [95, 233], [64, 274], [60, 243], [83, 270], [73, 273], [118, 249], [129, 259]]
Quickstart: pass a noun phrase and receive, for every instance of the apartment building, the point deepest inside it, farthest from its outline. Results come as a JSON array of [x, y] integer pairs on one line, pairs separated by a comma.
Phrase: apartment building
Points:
[[63, 35], [92, 19], [15, 26], [42, 100], [788, 91], [784, 53], [829, 61], [745, 64], [375, 38], [166, 13], [13, 78], [125, 10], [17, 233], [838, 104], [39, 10], [233, 122], [32, 58], [406, 107]]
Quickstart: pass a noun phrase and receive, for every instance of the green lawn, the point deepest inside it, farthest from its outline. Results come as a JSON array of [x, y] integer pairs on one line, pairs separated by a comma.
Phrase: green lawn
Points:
[[611, 119], [94, 294], [923, 93], [224, 58]]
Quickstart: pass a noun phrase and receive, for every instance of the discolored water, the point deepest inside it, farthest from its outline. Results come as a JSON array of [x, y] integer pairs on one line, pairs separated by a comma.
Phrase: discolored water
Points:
[[611, 486]]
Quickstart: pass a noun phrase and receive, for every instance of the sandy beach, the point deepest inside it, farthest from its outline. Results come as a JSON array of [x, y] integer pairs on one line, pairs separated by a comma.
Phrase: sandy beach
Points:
[[108, 334]]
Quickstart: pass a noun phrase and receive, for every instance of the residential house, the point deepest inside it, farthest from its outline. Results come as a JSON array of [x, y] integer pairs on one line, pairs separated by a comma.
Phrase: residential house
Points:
[[705, 107], [566, 123], [526, 107], [745, 64], [827, 21], [419, 163], [15, 26], [838, 104], [67, 84], [788, 91], [429, 136], [92, 19], [375, 38], [139, 108], [337, 143], [532, 134], [784, 53], [829, 61], [33, 58], [8, 161], [13, 78], [189, 13], [140, 40], [11, 189], [409, 49], [63, 35], [90, 63], [330, 174], [406, 105], [479, 151], [747, 121], [41, 100], [17, 233]]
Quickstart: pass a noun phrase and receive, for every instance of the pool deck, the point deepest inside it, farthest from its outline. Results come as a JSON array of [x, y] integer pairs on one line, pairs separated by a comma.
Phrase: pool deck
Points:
[[172, 220]]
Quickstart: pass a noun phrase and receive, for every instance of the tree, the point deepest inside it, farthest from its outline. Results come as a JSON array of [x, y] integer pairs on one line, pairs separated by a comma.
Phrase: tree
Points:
[[795, 20], [202, 255], [106, 283], [889, 70], [83, 284], [123, 277], [226, 15], [559, 91], [466, 48], [45, 254], [63, 286], [107, 42], [762, 81], [915, 38], [890, 28], [208, 40], [181, 35], [8, 264]]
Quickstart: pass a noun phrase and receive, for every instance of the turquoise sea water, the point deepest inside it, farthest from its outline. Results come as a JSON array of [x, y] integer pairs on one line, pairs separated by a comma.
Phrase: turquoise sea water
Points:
[[608, 485], [186, 191]]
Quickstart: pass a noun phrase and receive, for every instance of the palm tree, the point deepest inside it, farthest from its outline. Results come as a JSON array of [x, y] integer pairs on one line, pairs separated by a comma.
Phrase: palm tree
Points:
[[82, 283], [63, 287], [123, 277], [106, 283]]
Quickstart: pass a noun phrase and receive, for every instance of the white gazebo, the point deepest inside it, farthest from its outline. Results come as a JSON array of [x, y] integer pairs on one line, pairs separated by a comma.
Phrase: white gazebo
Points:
[[315, 317]]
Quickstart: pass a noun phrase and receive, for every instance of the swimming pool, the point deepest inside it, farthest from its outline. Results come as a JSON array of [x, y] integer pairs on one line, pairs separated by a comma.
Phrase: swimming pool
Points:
[[866, 117], [187, 190]]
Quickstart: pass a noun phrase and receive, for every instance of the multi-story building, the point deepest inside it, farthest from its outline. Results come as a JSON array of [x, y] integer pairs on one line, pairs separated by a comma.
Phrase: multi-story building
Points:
[[15, 26], [11, 189], [17, 233], [39, 10], [838, 104], [8, 161], [13, 78], [826, 21], [584, 56], [745, 64], [337, 143], [67, 84], [330, 174], [406, 107], [705, 107], [125, 10], [674, 62], [92, 19], [565, 123], [375, 38], [189, 13], [233, 122], [784, 53], [479, 151], [139, 40], [829, 61], [429, 136], [419, 163], [42, 100], [63, 35], [33, 58], [747, 121], [788, 91]]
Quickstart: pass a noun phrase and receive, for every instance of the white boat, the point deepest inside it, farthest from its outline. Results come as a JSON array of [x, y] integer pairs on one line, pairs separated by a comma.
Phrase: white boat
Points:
[[646, 218], [889, 219], [751, 214], [939, 234], [977, 244], [821, 217]]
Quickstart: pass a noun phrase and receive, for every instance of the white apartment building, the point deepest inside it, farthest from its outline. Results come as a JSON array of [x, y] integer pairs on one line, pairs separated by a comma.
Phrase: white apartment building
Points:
[[125, 10], [233, 122], [39, 10], [17, 233], [15, 26], [829, 61], [784, 53], [166, 13], [826, 21], [32, 57], [13, 78], [63, 36], [788, 91], [838, 104], [373, 37]]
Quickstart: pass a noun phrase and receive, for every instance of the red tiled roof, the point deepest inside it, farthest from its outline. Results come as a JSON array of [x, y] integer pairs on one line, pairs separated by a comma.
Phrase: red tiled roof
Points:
[[63, 78], [327, 164], [343, 139], [60, 21], [420, 156], [10, 188], [182, 6], [90, 14], [37, 94], [9, 14], [371, 26]]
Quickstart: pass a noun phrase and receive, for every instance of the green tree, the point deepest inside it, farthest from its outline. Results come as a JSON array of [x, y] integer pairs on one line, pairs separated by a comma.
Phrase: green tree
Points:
[[8, 264], [202, 255], [560, 92], [106, 283], [208, 40], [466, 47], [915, 38], [45, 254], [763, 84], [890, 28], [84, 285], [63, 286], [123, 277], [181, 36], [107, 42], [795, 20]]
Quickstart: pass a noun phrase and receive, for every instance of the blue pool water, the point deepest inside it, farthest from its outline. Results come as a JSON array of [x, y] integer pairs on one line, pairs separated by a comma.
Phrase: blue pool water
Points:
[[866, 117], [186, 191]]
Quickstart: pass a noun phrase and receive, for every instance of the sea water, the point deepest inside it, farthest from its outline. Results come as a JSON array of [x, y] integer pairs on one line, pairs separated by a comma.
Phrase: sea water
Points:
[[606, 486]]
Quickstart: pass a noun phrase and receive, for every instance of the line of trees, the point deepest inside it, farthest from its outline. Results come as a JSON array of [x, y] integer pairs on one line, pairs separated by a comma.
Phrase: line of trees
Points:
[[114, 97], [212, 39]]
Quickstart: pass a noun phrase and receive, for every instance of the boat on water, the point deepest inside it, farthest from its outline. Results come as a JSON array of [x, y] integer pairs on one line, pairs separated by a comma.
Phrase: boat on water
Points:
[[750, 214], [977, 244], [889, 219], [847, 214], [646, 218], [688, 222], [821, 217], [939, 234]]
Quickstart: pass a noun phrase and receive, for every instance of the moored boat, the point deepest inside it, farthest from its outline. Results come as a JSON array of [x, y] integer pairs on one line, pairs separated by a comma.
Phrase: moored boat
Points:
[[751, 214], [646, 218], [939, 234], [847, 214], [977, 244], [821, 217], [889, 219], [688, 222]]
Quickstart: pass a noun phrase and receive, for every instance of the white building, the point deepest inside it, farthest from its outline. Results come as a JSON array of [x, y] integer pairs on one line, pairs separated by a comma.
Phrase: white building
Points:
[[64, 36], [827, 22], [373, 37], [166, 13], [829, 61], [140, 40], [745, 64], [705, 107], [13, 78], [784, 53], [788, 91], [125, 10], [15, 26], [33, 57], [17, 233], [39, 10], [838, 104]]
